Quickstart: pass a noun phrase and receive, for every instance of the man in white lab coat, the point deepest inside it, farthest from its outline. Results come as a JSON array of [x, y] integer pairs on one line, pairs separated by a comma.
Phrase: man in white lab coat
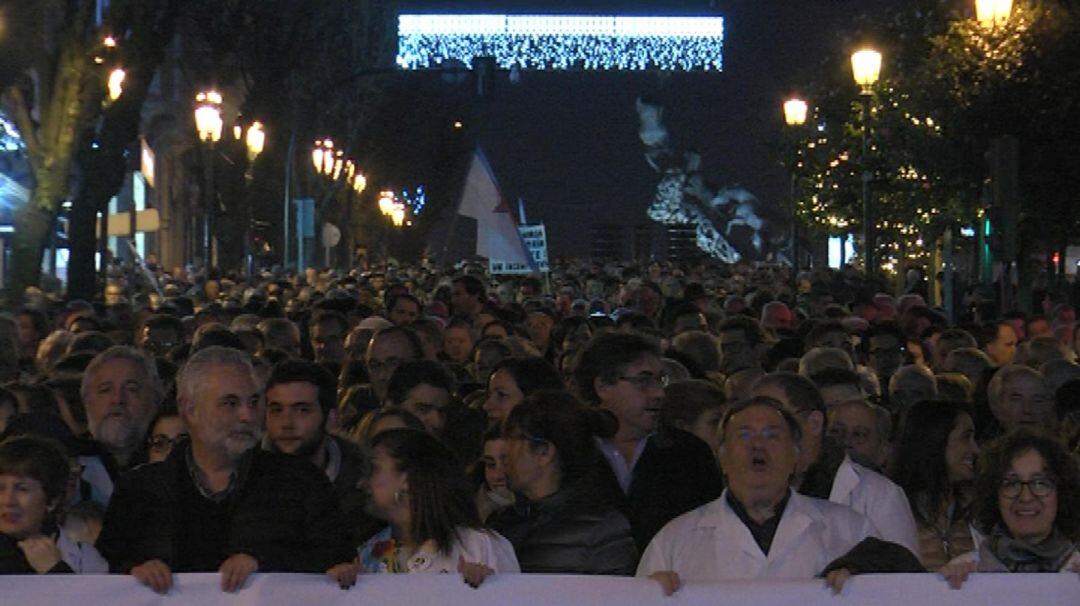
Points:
[[826, 472], [759, 528]]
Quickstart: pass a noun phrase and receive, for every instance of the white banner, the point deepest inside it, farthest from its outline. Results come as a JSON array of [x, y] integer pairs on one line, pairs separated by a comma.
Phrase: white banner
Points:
[[542, 590], [535, 239]]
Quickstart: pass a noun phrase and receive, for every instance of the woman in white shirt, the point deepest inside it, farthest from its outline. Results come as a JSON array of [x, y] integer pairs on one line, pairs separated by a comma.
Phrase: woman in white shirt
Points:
[[418, 486]]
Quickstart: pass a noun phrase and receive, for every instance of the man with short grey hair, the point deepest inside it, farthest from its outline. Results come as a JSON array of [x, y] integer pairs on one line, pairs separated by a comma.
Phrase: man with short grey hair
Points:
[[122, 393], [218, 503]]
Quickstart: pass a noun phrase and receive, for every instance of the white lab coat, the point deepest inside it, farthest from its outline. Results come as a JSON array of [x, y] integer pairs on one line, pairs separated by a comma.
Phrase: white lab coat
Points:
[[711, 543], [878, 498]]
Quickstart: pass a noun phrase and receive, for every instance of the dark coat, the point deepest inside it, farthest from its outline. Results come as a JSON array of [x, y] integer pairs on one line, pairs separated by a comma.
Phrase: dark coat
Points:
[[352, 498], [569, 534], [13, 560], [282, 512], [676, 473]]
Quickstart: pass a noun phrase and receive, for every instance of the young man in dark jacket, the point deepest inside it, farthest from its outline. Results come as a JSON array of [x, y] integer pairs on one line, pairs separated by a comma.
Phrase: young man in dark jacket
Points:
[[218, 502], [300, 410]]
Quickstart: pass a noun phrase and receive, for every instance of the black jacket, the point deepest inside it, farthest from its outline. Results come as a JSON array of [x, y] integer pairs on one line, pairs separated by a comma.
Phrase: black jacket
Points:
[[282, 512], [676, 473], [568, 533], [353, 500], [13, 560]]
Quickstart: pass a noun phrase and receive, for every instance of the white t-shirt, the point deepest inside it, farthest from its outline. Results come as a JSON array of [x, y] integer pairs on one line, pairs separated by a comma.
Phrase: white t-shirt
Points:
[[485, 547]]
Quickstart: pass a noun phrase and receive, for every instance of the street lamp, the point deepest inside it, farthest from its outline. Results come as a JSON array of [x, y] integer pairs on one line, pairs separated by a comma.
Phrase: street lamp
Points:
[[255, 140], [116, 83], [794, 116], [866, 69], [209, 125], [992, 13], [795, 112]]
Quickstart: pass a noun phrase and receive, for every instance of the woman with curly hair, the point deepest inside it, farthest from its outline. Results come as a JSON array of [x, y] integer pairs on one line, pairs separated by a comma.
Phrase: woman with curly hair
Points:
[[1027, 503]]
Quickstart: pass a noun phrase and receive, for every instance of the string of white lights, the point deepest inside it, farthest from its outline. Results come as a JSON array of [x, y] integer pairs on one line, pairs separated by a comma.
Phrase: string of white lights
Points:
[[563, 42]]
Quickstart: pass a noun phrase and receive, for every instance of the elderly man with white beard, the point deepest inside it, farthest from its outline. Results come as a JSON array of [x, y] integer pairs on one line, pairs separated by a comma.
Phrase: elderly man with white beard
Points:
[[218, 503], [122, 393]]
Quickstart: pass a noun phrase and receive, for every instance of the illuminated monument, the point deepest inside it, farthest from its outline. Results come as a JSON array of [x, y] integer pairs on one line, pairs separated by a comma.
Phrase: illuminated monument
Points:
[[562, 42], [730, 224]]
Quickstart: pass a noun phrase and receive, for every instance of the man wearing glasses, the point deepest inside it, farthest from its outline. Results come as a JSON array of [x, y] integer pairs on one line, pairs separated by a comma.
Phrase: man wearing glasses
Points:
[[649, 477], [760, 528]]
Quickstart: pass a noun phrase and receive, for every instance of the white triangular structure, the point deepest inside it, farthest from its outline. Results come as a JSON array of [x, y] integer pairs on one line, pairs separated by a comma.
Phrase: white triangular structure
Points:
[[497, 235]]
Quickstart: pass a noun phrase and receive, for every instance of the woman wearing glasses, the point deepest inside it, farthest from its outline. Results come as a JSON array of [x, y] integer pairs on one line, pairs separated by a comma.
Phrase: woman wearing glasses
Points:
[[1027, 503], [561, 526], [166, 430]]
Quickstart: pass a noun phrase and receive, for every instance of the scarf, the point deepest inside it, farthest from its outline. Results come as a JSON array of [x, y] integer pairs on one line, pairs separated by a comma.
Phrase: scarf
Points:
[[1020, 556]]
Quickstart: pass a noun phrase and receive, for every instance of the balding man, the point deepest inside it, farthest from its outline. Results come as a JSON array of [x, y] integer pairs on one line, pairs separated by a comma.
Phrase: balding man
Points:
[[759, 528]]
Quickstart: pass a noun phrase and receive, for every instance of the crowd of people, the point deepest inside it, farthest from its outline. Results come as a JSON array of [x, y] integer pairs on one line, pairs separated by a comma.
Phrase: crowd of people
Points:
[[685, 423]]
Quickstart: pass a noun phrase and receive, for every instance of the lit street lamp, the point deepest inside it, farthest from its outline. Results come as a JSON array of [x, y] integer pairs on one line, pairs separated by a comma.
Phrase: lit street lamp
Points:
[[794, 116], [866, 69], [255, 140], [209, 125], [116, 83], [992, 13]]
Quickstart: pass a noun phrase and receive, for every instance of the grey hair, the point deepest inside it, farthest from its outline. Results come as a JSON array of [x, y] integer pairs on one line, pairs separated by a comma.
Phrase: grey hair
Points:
[[1006, 373], [144, 364], [198, 365], [820, 358]]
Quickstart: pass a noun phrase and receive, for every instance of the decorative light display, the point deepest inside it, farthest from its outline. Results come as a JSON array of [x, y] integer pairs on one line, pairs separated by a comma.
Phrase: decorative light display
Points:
[[563, 42], [416, 200], [10, 139]]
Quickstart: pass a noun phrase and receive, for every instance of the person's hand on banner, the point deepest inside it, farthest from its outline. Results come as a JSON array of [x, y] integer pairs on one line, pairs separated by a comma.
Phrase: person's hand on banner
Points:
[[236, 570], [956, 573], [668, 579], [835, 579], [345, 574], [473, 573], [155, 574]]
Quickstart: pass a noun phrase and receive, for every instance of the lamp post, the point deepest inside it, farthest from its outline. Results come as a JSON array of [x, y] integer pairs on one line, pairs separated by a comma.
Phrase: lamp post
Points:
[[209, 124], [866, 69], [794, 116], [254, 143]]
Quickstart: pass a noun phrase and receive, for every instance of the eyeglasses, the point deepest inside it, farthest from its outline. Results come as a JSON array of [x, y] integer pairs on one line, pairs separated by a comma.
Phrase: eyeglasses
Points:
[[1012, 487], [164, 442], [647, 381]]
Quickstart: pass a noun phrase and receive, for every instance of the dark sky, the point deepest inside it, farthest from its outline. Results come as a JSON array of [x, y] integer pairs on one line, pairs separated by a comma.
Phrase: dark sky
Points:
[[567, 142]]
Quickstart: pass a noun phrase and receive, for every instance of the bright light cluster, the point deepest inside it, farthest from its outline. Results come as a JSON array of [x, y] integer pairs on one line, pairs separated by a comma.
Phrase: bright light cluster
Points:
[[563, 42], [10, 139]]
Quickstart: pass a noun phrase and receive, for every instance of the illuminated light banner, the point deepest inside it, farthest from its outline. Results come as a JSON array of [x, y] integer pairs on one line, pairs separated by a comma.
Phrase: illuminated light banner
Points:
[[563, 42], [542, 590]]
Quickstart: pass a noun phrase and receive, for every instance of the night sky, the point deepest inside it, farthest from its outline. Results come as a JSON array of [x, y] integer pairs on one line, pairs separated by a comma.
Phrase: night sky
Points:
[[567, 142]]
